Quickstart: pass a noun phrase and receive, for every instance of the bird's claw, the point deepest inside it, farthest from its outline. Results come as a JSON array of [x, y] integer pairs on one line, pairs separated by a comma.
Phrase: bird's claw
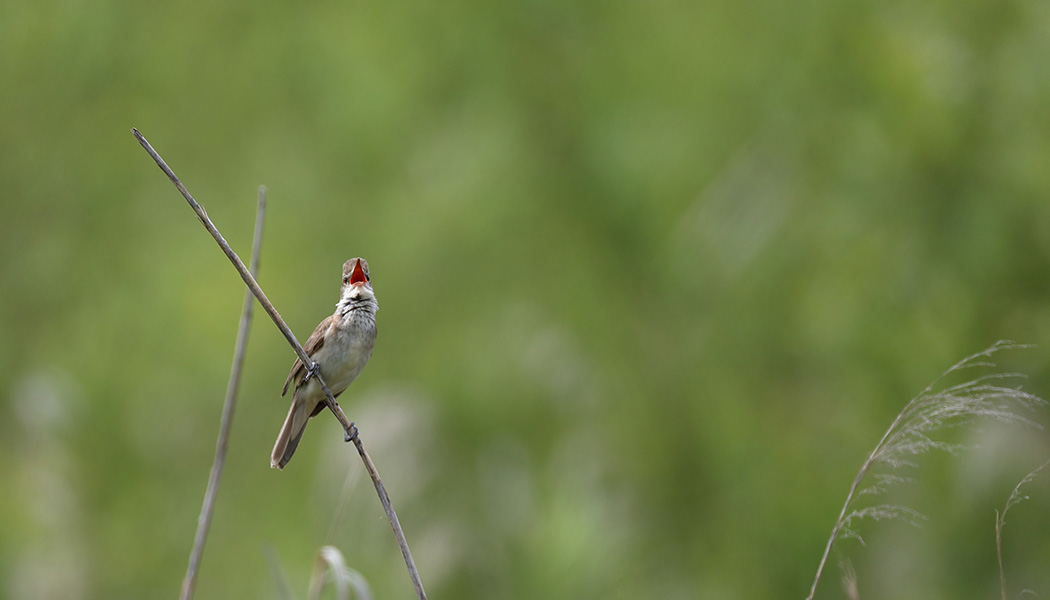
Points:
[[351, 433], [311, 372]]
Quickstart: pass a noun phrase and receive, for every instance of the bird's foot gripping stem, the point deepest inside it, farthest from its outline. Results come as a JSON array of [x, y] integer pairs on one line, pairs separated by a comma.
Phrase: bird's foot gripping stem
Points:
[[311, 372], [351, 432]]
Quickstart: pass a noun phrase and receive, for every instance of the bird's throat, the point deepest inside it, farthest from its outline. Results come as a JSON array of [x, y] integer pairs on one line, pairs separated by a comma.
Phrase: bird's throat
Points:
[[356, 301]]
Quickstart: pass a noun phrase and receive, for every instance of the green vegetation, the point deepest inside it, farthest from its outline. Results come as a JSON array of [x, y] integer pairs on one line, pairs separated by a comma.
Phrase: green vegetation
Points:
[[653, 278]]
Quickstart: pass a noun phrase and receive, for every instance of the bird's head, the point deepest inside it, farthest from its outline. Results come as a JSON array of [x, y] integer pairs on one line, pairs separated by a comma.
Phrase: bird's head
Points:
[[357, 283]]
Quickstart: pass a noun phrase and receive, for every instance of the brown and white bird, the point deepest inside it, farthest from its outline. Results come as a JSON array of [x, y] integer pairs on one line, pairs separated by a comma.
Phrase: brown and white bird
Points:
[[341, 346]]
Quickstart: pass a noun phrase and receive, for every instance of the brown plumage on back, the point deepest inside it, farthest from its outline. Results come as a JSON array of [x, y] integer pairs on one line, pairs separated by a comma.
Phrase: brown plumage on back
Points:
[[341, 346]]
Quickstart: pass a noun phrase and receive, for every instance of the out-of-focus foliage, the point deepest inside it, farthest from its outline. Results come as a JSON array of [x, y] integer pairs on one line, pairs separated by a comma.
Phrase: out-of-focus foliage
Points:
[[654, 277]]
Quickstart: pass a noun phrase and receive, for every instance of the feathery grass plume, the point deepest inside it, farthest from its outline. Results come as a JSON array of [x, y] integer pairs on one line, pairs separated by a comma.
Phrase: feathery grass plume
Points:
[[1000, 522], [330, 566], [849, 579], [910, 435]]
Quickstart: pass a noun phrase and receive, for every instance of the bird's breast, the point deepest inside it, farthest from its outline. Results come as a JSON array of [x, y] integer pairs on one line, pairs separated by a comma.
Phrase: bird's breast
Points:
[[346, 350]]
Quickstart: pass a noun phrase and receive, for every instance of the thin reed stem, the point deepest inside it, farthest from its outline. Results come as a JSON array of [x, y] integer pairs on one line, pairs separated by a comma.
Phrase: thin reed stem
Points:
[[1000, 521], [189, 582]]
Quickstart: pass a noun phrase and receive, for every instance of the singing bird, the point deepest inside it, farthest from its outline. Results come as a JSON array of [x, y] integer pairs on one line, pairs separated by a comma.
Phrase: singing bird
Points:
[[341, 346]]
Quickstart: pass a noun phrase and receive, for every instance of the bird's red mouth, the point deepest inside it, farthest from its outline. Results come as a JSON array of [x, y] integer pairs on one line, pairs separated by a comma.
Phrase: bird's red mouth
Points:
[[358, 277]]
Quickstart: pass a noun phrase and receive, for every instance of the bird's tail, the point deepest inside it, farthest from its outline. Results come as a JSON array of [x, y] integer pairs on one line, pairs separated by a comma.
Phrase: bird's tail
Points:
[[291, 433]]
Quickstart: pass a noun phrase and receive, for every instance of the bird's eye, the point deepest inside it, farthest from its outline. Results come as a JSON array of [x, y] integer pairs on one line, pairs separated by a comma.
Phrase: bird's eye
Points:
[[346, 280]]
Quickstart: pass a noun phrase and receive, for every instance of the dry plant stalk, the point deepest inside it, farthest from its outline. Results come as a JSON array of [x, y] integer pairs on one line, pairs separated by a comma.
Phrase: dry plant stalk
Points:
[[189, 582], [282, 588], [910, 435], [348, 427], [1000, 521]]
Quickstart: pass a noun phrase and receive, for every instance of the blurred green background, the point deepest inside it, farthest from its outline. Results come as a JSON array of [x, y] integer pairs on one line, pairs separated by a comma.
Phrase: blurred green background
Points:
[[654, 278]]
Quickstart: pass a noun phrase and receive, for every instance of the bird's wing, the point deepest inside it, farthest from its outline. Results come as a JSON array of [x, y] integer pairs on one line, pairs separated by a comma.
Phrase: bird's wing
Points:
[[312, 345]]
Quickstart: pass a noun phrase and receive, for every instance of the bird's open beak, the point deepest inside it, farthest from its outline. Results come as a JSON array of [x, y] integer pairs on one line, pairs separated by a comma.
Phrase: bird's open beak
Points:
[[357, 277]]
